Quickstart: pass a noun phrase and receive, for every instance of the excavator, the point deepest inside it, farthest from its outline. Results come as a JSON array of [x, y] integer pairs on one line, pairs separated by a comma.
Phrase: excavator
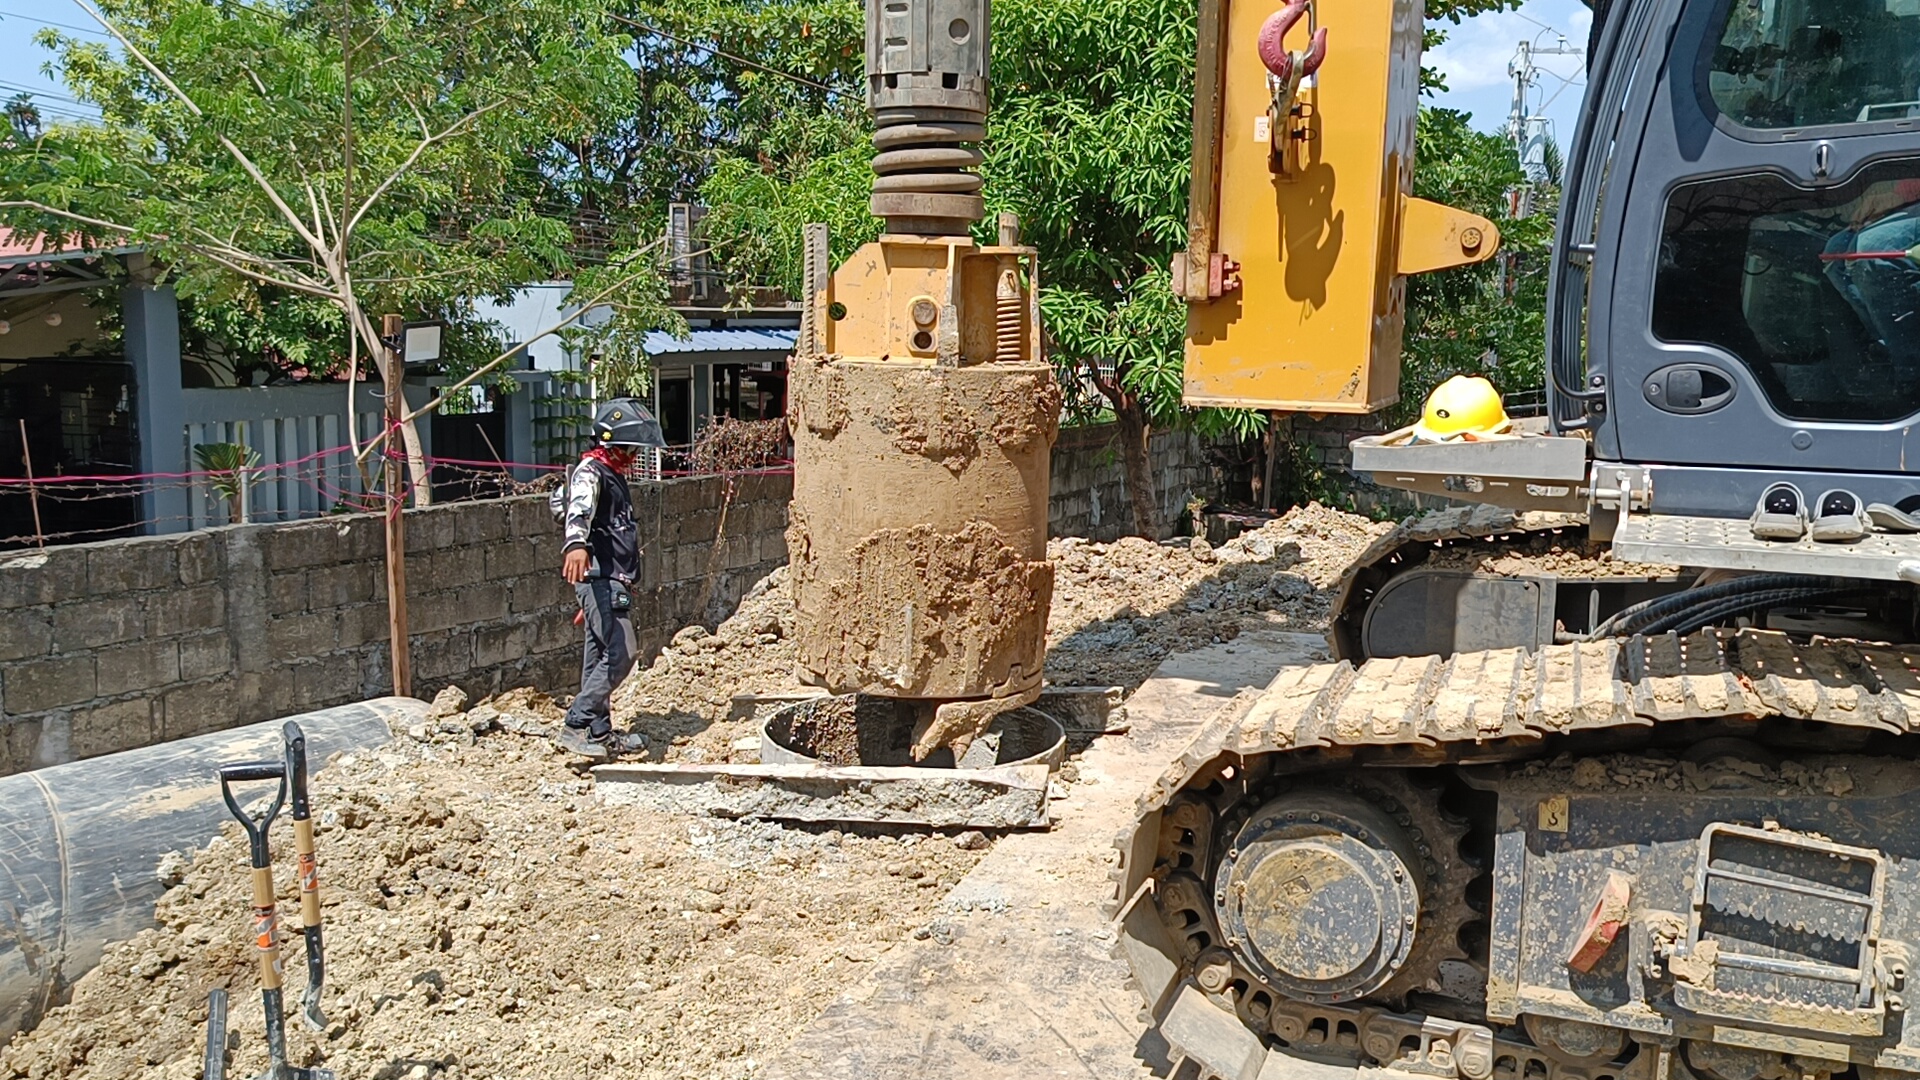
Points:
[[1612, 772]]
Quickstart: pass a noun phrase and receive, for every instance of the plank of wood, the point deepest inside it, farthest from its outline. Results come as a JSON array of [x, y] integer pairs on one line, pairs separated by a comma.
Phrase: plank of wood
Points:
[[1003, 797]]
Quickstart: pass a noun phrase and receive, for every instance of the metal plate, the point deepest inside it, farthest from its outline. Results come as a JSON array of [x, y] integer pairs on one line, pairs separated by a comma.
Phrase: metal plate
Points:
[[1726, 543], [1439, 613]]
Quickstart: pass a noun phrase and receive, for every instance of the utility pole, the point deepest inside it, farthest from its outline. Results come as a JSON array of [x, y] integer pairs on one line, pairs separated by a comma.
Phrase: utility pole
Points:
[[1525, 129], [393, 330]]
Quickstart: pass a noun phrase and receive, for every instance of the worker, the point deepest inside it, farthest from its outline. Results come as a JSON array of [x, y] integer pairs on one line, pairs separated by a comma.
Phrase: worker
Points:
[[602, 561]]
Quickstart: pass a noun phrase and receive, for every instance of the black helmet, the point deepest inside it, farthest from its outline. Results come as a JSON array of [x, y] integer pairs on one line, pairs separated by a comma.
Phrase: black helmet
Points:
[[625, 422]]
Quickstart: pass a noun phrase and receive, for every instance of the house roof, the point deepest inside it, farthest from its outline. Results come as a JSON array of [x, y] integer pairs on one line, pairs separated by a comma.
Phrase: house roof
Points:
[[20, 247], [709, 340]]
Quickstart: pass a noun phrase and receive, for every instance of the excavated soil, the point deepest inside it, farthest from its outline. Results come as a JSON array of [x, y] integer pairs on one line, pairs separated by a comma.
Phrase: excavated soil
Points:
[[485, 917], [1118, 610]]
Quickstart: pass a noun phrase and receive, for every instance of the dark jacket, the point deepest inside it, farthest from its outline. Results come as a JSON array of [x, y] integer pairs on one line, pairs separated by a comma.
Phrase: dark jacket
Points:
[[600, 519]]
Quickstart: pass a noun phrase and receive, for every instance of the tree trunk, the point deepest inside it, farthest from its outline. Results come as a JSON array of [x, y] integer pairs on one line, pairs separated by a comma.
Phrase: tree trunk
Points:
[[1131, 417]]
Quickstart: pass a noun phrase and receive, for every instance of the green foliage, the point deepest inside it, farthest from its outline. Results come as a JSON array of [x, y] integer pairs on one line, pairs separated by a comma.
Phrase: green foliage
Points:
[[1488, 319], [231, 471], [438, 150]]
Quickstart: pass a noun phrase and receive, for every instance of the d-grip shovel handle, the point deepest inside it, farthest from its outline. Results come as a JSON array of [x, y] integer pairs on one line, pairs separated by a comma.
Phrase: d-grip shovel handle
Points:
[[256, 829]]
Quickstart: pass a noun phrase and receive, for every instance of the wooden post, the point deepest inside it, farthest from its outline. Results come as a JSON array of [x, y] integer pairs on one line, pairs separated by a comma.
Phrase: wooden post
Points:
[[393, 328], [26, 456]]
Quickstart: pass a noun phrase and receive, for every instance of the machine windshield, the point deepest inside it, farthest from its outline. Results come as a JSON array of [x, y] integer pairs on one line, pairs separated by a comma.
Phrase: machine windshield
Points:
[[1806, 63], [1817, 292]]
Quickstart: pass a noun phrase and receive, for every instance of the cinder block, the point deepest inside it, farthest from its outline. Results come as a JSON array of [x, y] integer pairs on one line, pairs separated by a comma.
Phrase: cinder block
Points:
[[131, 565], [456, 567], [287, 592], [528, 516], [19, 743], [432, 528], [48, 684], [483, 521], [198, 557], [338, 586], [25, 632], [501, 644], [107, 729], [295, 637], [541, 592], [554, 630], [205, 655], [88, 624], [326, 681], [318, 543], [197, 708], [444, 657], [361, 624], [143, 666], [43, 577], [203, 607]]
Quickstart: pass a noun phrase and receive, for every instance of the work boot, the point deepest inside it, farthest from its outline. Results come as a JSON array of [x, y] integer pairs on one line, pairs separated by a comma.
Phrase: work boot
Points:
[[576, 741], [618, 743]]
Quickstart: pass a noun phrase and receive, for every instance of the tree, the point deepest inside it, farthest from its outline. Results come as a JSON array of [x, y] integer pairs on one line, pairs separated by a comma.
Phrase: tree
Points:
[[368, 155], [1089, 141], [1488, 319]]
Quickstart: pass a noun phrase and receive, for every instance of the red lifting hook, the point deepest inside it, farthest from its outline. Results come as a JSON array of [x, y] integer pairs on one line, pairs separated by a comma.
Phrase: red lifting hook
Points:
[[1273, 47]]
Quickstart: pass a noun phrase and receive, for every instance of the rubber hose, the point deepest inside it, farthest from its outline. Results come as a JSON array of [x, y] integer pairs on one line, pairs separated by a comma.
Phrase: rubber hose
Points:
[[1686, 622], [1632, 620]]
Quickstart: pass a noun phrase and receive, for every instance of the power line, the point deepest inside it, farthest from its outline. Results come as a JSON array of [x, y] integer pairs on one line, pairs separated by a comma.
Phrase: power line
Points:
[[49, 22], [718, 51]]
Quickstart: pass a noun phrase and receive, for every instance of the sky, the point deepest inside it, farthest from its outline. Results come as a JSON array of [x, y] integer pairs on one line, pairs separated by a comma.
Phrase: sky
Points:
[[1474, 59]]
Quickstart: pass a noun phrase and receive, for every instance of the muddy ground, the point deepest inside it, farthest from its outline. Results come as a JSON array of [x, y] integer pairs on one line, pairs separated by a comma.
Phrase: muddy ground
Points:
[[486, 918]]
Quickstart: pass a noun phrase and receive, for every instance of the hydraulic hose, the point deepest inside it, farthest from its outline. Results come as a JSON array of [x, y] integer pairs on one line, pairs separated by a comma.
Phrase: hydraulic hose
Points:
[[1689, 619], [1637, 618]]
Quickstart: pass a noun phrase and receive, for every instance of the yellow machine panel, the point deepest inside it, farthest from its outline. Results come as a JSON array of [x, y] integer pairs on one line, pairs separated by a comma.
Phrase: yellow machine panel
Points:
[[1302, 222]]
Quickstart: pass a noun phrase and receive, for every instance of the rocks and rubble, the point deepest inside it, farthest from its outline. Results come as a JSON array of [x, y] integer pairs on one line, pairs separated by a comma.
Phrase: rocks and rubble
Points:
[[486, 917], [1118, 610]]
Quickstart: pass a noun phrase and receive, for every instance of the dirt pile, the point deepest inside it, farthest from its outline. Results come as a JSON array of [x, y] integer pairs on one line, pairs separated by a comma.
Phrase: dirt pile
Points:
[[1118, 610], [485, 918]]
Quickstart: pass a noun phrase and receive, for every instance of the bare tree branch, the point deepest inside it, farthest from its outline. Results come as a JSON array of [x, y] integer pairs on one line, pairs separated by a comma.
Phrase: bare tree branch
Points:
[[393, 177]]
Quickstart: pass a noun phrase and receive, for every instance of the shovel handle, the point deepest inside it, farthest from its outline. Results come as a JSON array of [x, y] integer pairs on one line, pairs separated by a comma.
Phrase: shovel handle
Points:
[[214, 1065]]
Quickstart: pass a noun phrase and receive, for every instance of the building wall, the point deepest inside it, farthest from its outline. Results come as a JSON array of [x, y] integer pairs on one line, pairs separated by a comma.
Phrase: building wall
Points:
[[115, 645], [1089, 490], [1324, 442]]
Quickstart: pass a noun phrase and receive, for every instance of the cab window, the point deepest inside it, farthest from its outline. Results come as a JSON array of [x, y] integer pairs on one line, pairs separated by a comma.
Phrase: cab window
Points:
[[1812, 63], [1815, 291]]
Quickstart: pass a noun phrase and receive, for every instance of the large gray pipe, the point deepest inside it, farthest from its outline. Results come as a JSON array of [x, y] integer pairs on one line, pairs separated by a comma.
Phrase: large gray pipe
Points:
[[79, 842]]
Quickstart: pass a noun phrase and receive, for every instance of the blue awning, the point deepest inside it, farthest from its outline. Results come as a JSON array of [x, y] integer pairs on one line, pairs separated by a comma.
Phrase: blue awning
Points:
[[757, 339]]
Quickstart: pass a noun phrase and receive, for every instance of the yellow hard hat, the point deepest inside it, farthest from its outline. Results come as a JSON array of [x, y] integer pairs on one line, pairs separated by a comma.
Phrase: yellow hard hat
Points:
[[1463, 405]]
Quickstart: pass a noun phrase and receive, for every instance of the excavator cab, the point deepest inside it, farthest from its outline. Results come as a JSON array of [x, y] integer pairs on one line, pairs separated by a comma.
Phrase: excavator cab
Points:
[[1737, 296]]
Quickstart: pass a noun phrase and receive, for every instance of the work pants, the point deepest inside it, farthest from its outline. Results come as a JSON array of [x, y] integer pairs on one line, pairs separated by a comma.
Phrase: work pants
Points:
[[606, 658]]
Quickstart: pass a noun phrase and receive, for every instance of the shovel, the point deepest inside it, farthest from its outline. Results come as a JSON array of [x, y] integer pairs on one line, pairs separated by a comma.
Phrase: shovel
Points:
[[266, 923], [309, 874]]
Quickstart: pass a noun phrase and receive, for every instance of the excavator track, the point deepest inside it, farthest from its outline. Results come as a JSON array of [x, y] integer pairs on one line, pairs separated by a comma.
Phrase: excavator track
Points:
[[1412, 541], [1415, 713]]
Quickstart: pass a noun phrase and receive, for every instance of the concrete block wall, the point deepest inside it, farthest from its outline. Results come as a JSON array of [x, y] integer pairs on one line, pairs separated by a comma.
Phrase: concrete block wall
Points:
[[116, 645], [1089, 491], [1325, 440]]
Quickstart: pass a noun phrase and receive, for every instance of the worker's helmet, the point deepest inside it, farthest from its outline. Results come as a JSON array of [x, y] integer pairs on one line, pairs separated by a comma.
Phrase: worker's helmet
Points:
[[625, 422], [1463, 405]]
